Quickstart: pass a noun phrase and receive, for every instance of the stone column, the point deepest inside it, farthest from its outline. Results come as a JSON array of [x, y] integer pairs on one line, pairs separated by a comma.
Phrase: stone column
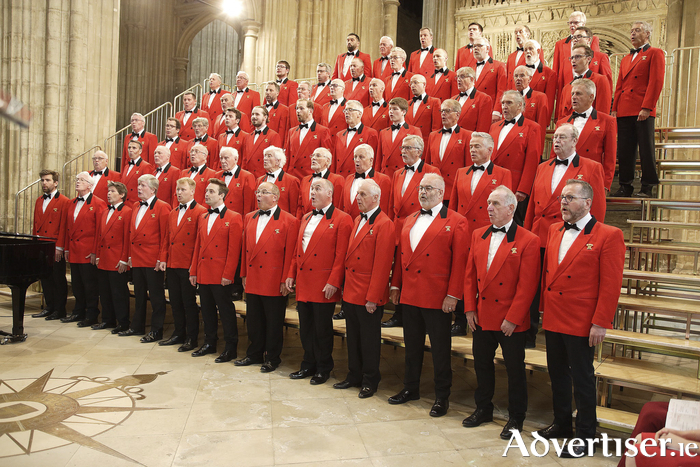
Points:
[[250, 45], [391, 15], [180, 73]]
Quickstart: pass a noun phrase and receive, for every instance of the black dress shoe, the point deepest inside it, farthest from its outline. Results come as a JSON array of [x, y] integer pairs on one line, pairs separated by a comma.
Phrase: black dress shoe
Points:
[[100, 326], [152, 336], [530, 344], [512, 424], [204, 350], [173, 340], [74, 318], [458, 330], [576, 452], [339, 315], [236, 296], [366, 392], [556, 431], [42, 314], [345, 385], [319, 378], [131, 332], [403, 397], [55, 315], [301, 374], [645, 192], [440, 407], [86, 323], [392, 323], [625, 191], [268, 367], [226, 356], [246, 361], [190, 344], [477, 418], [119, 329]]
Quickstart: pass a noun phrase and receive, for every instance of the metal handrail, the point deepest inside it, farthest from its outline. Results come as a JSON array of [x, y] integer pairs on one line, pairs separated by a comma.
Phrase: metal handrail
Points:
[[18, 210], [197, 89], [67, 190]]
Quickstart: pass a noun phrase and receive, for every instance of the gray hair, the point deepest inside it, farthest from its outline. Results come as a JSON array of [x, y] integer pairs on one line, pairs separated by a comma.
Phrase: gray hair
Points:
[[150, 180], [516, 95], [534, 43], [371, 186], [415, 139], [87, 177], [586, 83], [230, 151], [467, 71], [278, 153], [572, 129], [366, 149], [488, 139], [326, 66], [399, 52], [586, 188], [646, 27], [529, 71], [354, 105], [439, 182], [508, 195]]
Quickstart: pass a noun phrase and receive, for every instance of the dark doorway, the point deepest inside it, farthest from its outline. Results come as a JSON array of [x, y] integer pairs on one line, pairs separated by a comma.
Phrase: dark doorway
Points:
[[409, 23]]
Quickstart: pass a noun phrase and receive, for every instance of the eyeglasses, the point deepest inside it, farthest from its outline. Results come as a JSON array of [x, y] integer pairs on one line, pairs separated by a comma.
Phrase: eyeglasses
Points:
[[577, 57], [77, 179], [335, 86], [347, 111], [408, 148], [446, 111], [427, 189], [263, 192], [568, 198]]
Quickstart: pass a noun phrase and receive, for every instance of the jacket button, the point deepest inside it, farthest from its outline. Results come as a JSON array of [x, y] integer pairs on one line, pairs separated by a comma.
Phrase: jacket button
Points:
[[549, 289]]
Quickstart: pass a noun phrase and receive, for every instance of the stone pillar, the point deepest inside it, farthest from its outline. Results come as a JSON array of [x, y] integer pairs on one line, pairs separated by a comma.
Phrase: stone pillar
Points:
[[180, 73], [250, 45], [391, 15]]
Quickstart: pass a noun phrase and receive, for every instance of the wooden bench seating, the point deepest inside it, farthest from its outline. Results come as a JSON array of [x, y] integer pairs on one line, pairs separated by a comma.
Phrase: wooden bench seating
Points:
[[667, 248], [653, 228], [617, 420]]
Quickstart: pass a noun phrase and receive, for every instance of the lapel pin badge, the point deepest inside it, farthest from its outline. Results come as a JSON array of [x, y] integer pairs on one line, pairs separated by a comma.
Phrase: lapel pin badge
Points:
[[447, 228], [227, 224], [277, 231], [513, 250], [330, 226], [579, 176], [55, 209], [589, 246], [189, 219]]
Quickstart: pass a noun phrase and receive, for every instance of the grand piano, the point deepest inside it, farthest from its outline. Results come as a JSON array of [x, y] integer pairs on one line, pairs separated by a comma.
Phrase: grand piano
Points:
[[23, 259]]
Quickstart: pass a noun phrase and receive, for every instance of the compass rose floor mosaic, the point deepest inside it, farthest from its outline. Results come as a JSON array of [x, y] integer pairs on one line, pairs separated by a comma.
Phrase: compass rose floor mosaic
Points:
[[78, 397]]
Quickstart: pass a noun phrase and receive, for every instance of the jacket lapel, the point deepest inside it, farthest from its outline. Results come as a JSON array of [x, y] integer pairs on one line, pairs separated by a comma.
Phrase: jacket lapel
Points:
[[581, 240], [326, 223], [504, 249], [436, 227], [588, 128]]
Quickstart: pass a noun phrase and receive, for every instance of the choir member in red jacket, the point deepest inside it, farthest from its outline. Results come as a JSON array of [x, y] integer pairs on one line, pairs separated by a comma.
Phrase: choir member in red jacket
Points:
[[442, 82], [148, 141], [421, 61], [389, 159], [278, 113], [288, 88], [332, 112], [245, 99], [357, 88], [211, 101], [424, 110], [218, 125], [536, 107], [364, 163], [187, 116], [490, 76], [345, 141], [135, 167], [562, 49], [465, 55], [342, 63], [304, 138], [581, 56], [375, 115], [321, 165], [600, 63], [167, 175], [380, 67], [319, 93], [476, 106], [201, 128], [273, 160], [257, 141], [176, 144], [234, 136], [397, 84], [366, 290], [517, 58], [544, 79], [101, 174]]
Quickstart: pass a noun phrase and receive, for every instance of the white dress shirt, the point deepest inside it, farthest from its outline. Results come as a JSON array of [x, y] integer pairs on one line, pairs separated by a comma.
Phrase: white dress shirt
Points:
[[422, 224], [480, 67], [227, 178], [181, 212], [256, 135], [463, 99], [394, 133], [580, 122], [304, 131], [506, 129], [356, 185], [395, 78], [409, 176], [186, 116], [239, 96], [570, 235], [130, 167], [559, 171], [213, 96], [363, 221], [273, 177], [230, 135], [78, 206], [444, 140], [375, 108], [142, 210], [194, 174], [348, 60], [477, 174], [96, 178], [46, 201], [351, 134], [311, 227], [320, 89], [212, 217], [160, 172], [262, 222], [111, 211], [495, 243], [416, 104]]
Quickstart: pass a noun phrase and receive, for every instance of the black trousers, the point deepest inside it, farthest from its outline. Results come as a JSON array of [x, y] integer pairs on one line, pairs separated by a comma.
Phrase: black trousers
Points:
[[265, 323], [364, 331], [183, 302], [114, 297], [415, 322], [535, 306], [84, 284], [460, 315], [215, 296], [484, 348], [237, 281], [316, 334], [521, 211], [148, 283], [633, 137], [55, 288], [570, 359]]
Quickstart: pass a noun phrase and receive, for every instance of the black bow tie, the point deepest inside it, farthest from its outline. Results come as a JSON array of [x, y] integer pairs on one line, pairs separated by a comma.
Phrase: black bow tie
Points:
[[498, 229], [80, 198], [132, 163], [159, 169], [227, 174], [110, 207], [478, 167], [212, 92], [428, 212], [519, 49], [303, 125], [364, 216], [193, 169], [214, 211], [183, 206], [279, 81], [354, 54], [577, 115], [511, 122], [352, 129], [48, 195], [143, 203], [316, 174], [480, 63], [376, 104], [469, 46], [134, 134], [530, 66], [395, 127], [568, 226], [198, 140], [637, 50], [269, 105], [97, 172], [463, 94], [317, 211], [334, 101], [359, 175], [409, 167], [257, 132], [240, 91], [564, 162], [577, 77], [383, 58], [396, 73], [264, 213], [169, 140], [446, 130], [440, 70], [356, 79], [270, 175], [230, 132], [427, 49], [417, 98], [188, 111], [320, 85]]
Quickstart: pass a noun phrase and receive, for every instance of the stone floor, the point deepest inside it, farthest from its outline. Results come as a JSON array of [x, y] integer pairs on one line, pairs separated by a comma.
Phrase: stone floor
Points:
[[69, 399]]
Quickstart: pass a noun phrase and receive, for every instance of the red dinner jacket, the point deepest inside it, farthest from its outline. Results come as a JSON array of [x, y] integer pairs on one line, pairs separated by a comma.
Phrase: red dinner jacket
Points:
[[217, 127], [81, 233], [288, 92], [179, 156], [337, 122], [403, 206], [455, 157], [178, 250], [511, 65], [100, 189], [368, 260], [602, 101], [493, 81], [216, 253], [278, 116], [265, 262], [361, 91], [388, 158], [52, 222], [427, 68], [378, 121], [439, 260], [249, 100], [445, 87], [377, 69], [473, 205], [323, 262], [476, 111], [241, 191], [402, 89], [252, 157], [294, 121], [505, 291], [186, 130], [519, 153], [113, 238], [201, 181], [465, 57], [340, 61], [167, 183], [600, 64], [427, 117], [148, 238], [321, 99], [543, 209], [304, 204], [545, 80], [537, 109], [344, 154], [299, 153], [598, 141], [349, 204], [213, 148], [584, 288], [236, 141], [131, 180], [214, 110], [149, 142], [640, 82], [289, 191], [562, 52]]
